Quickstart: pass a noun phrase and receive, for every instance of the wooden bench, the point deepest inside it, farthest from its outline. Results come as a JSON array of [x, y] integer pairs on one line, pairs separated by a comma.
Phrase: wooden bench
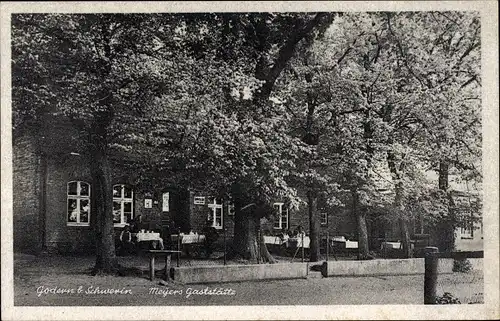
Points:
[[152, 255]]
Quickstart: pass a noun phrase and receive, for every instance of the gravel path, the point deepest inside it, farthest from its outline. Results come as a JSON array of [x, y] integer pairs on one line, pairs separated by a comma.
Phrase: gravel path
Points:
[[36, 278]]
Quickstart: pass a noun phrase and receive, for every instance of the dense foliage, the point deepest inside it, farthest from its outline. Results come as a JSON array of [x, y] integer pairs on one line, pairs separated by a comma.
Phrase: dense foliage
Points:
[[260, 106]]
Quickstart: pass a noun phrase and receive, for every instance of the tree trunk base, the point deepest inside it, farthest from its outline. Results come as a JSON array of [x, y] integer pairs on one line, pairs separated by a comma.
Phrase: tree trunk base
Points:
[[110, 268]]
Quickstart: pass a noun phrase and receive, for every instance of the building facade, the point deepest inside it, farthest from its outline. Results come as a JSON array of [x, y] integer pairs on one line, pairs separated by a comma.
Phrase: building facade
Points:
[[52, 203]]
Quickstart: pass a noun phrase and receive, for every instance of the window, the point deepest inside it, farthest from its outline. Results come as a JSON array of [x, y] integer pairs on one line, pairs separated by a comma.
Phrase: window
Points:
[[324, 218], [123, 204], [215, 214], [78, 209], [466, 232], [281, 221]]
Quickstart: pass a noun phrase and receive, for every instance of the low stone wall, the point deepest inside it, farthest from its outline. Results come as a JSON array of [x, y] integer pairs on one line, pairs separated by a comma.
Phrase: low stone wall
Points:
[[446, 265], [373, 267], [237, 273], [390, 267]]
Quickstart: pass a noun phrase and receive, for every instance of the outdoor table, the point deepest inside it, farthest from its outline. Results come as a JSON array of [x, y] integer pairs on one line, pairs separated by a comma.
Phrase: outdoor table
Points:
[[152, 254], [276, 240], [297, 242], [390, 245], [144, 237], [184, 242], [351, 244], [188, 238]]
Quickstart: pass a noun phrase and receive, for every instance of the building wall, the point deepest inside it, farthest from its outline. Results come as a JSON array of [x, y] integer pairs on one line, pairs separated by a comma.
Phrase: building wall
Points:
[[200, 212], [76, 239], [472, 242], [26, 195]]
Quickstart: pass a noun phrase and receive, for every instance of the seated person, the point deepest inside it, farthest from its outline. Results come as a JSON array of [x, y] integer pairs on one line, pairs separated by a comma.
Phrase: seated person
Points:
[[158, 244], [211, 237], [300, 232], [126, 245], [136, 224]]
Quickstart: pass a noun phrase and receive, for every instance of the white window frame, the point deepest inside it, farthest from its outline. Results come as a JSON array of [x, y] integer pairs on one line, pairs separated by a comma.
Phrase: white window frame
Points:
[[78, 199], [214, 206], [467, 232], [122, 200], [278, 222], [323, 219]]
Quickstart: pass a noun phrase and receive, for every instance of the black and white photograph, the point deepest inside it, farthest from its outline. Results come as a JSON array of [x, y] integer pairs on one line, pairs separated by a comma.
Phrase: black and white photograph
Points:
[[230, 157]]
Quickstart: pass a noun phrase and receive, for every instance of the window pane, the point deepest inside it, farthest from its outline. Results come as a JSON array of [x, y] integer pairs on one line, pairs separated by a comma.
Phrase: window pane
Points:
[[277, 220], [128, 217], [127, 207], [72, 188], [117, 191], [127, 192], [218, 217], [84, 210], [117, 212], [72, 213], [84, 189]]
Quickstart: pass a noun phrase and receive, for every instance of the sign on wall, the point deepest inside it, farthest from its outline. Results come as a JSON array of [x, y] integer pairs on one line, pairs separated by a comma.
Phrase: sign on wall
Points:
[[148, 203], [166, 200], [199, 200]]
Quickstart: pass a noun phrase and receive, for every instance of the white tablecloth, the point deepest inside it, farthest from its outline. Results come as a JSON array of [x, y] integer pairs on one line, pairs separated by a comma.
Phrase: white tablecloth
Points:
[[189, 238], [390, 245], [297, 241], [141, 237], [338, 238], [348, 244], [351, 244], [276, 240]]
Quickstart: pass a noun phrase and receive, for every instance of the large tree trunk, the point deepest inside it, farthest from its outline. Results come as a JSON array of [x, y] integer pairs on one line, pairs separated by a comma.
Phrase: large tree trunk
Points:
[[246, 242], [403, 222], [398, 204], [102, 202], [405, 237], [446, 229], [312, 201], [363, 251]]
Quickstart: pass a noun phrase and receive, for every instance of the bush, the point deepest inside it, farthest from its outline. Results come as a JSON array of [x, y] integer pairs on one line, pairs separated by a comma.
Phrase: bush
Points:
[[447, 298], [462, 265]]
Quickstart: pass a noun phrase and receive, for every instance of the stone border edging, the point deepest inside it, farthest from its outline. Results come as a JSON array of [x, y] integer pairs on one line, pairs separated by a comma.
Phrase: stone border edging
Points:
[[237, 273]]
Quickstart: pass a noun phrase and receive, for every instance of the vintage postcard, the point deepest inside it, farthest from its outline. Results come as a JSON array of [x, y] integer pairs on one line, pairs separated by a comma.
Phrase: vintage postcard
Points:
[[249, 160]]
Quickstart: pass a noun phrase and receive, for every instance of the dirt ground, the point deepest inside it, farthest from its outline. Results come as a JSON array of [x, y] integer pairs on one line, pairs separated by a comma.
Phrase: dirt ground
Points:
[[65, 281]]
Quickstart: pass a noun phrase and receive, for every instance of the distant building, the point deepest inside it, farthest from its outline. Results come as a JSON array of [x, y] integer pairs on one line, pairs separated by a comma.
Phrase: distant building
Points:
[[53, 190]]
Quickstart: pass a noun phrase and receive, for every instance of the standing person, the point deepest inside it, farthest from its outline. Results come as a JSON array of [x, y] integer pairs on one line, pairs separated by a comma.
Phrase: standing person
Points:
[[211, 237], [126, 244]]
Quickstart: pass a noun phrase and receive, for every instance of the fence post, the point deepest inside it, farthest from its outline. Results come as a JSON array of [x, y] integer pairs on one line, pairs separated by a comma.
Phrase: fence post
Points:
[[430, 279], [225, 248], [302, 247], [327, 244], [178, 247], [258, 246]]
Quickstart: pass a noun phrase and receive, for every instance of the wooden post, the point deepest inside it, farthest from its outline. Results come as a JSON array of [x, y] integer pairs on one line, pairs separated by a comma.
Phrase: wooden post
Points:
[[430, 280], [151, 266], [225, 248], [167, 266], [179, 248], [327, 244], [258, 246], [302, 247]]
